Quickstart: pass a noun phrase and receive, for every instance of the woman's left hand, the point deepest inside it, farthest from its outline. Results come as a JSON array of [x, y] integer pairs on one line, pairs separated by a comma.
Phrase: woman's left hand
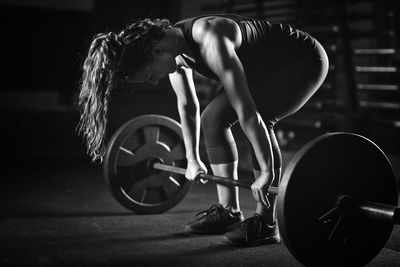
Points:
[[260, 187]]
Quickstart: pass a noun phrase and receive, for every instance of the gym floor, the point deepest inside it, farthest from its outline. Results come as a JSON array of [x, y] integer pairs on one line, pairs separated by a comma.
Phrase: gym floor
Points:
[[55, 213]]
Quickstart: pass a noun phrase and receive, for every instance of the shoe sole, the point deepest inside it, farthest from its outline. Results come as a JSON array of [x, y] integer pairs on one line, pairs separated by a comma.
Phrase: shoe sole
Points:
[[214, 231], [265, 241]]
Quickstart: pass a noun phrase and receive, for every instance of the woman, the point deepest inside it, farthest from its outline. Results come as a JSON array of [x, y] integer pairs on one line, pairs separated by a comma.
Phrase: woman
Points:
[[263, 68]]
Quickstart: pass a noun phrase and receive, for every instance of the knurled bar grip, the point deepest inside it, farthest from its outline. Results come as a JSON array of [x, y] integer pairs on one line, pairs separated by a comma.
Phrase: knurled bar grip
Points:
[[218, 179]]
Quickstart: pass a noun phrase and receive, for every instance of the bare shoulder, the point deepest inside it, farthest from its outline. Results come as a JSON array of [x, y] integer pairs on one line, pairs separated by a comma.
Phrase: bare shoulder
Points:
[[224, 27]]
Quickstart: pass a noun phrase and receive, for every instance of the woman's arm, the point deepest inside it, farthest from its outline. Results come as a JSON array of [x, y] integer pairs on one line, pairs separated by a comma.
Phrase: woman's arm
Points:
[[189, 113], [218, 50]]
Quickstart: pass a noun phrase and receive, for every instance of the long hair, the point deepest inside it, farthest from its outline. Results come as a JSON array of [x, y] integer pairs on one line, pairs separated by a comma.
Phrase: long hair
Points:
[[112, 57]]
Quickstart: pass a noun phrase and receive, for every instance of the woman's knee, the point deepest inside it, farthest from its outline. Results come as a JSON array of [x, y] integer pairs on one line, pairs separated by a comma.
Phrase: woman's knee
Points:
[[221, 146]]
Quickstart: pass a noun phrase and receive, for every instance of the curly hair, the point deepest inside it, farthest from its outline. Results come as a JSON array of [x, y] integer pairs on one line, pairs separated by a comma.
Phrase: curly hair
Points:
[[112, 57]]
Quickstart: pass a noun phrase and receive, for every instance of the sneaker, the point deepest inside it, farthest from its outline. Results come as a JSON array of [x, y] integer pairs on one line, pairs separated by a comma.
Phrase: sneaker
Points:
[[215, 220], [253, 232]]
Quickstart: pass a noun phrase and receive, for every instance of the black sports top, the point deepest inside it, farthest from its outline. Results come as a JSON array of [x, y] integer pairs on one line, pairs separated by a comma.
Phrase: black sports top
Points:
[[265, 46]]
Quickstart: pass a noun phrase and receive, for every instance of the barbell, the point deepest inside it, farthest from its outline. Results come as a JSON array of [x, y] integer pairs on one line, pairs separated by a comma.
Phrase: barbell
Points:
[[337, 202]]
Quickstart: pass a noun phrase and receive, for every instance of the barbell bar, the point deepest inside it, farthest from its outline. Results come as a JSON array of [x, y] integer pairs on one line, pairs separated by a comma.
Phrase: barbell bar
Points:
[[217, 179], [375, 210], [344, 204]]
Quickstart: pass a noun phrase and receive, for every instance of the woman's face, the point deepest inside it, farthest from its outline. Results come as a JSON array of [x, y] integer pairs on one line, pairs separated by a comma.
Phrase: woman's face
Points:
[[162, 64]]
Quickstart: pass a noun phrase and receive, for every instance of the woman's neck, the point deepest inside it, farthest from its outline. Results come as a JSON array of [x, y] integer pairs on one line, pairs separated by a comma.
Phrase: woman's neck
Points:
[[181, 44]]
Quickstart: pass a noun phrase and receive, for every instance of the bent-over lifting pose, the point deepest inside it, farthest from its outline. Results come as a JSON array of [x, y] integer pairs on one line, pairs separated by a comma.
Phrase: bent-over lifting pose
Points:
[[267, 72]]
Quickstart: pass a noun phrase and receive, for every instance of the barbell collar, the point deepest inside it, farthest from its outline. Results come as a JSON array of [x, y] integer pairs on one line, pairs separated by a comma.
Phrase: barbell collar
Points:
[[218, 179], [381, 212]]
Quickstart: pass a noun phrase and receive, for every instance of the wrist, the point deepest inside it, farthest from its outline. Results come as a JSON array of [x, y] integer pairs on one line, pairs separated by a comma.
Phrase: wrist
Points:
[[266, 173], [193, 159]]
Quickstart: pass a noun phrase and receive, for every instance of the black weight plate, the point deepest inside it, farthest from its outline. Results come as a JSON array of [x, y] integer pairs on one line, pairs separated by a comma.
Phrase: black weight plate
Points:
[[126, 172], [328, 167]]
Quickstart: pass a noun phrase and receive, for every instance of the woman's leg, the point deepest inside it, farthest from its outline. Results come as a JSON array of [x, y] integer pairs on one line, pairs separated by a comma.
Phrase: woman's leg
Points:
[[285, 92], [269, 215], [216, 121], [262, 227], [281, 98], [228, 197]]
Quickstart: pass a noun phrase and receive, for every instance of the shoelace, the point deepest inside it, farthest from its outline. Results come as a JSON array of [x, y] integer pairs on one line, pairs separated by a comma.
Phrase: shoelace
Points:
[[204, 213]]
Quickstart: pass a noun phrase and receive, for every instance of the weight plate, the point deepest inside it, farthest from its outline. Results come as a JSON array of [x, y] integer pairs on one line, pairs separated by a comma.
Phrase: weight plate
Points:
[[125, 165], [328, 167]]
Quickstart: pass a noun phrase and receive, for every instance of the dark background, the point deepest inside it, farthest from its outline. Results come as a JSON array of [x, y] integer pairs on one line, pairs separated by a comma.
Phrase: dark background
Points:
[[44, 44], [55, 208]]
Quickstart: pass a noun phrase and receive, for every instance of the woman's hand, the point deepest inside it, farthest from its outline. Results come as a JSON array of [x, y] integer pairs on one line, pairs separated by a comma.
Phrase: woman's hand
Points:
[[194, 168], [260, 187]]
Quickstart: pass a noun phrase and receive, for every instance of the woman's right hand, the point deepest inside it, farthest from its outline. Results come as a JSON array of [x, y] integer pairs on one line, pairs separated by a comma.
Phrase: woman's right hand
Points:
[[194, 168]]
